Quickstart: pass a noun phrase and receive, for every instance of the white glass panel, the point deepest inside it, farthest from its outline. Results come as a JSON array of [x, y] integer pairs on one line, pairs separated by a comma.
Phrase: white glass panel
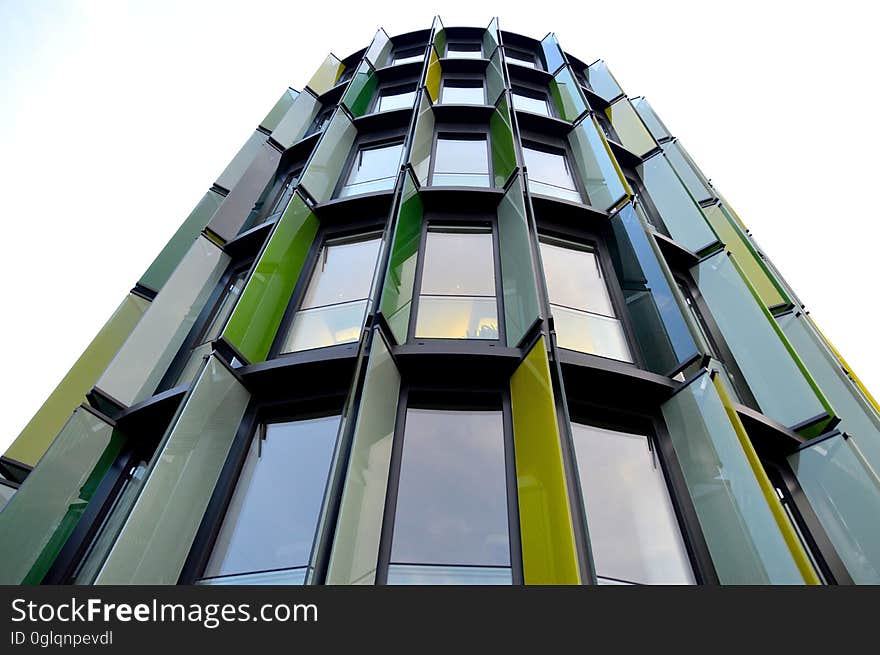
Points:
[[453, 94], [326, 326], [528, 103], [291, 577], [404, 100], [590, 333], [456, 51], [456, 317], [401, 574]]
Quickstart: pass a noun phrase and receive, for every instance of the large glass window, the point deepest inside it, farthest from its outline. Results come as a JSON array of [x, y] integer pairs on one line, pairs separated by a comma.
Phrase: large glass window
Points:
[[520, 58], [457, 298], [267, 533], [408, 55], [461, 161], [374, 168], [634, 534], [451, 521], [464, 51], [529, 100], [582, 310], [398, 97], [335, 303], [462, 92], [550, 173]]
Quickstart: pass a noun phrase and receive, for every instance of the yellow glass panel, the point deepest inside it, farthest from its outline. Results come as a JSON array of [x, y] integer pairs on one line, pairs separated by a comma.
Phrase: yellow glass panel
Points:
[[432, 80]]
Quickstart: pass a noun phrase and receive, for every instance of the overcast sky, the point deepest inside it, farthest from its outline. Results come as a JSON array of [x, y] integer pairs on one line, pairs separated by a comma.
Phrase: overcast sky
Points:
[[116, 117]]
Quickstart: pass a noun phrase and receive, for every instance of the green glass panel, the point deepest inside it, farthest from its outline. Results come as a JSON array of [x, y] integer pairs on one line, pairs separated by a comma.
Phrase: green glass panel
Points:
[[297, 120], [327, 162], [857, 417], [355, 552], [38, 434], [629, 128], [242, 160], [680, 213], [163, 266], [652, 121], [521, 305], [844, 491], [495, 78], [501, 137], [599, 172], [656, 317], [693, 179], [440, 41], [602, 82], [397, 293], [360, 90], [251, 328], [325, 77], [552, 52], [566, 92], [743, 537], [156, 538], [279, 110], [432, 77], [423, 140], [771, 370], [380, 48], [548, 546], [746, 256], [140, 364], [39, 518]]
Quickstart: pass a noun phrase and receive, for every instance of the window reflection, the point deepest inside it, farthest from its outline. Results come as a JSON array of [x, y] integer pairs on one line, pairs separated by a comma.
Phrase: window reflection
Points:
[[451, 520], [266, 536], [634, 534], [457, 298], [374, 169], [396, 98], [460, 161], [335, 302], [464, 51], [520, 58], [533, 101], [463, 92], [549, 174], [408, 55], [582, 310]]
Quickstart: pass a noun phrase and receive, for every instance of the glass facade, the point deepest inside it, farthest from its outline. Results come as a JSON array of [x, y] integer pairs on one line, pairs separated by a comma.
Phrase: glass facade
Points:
[[514, 336]]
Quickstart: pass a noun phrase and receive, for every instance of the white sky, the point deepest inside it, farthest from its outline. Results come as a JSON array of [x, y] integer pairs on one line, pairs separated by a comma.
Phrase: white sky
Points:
[[116, 117]]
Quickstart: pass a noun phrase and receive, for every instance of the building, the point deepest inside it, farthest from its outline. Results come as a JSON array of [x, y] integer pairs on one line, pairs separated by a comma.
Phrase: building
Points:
[[460, 311]]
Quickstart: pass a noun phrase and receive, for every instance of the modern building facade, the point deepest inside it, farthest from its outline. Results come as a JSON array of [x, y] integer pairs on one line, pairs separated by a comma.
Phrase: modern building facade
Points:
[[459, 312]]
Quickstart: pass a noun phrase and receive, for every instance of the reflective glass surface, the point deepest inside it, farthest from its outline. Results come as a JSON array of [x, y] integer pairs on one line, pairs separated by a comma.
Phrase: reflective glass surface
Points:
[[374, 169], [567, 95], [396, 100], [463, 92], [693, 179], [634, 534], [532, 102], [629, 127], [461, 162], [464, 51], [456, 317], [599, 172], [402, 574], [272, 516], [652, 121], [408, 56], [520, 58], [452, 496], [549, 174], [325, 326], [602, 82]]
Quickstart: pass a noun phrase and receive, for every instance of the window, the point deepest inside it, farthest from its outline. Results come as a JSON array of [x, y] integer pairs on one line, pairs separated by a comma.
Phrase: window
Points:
[[462, 92], [549, 173], [520, 57], [399, 97], [529, 100], [335, 302], [582, 311], [347, 74], [464, 51], [321, 120], [457, 298], [461, 161], [634, 533], [212, 327], [375, 168], [274, 199], [451, 521], [266, 536], [408, 55]]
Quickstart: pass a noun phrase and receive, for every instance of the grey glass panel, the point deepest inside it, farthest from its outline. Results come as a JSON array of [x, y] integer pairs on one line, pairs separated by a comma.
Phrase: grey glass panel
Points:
[[6, 493], [602, 82], [380, 48], [374, 169], [550, 174], [744, 540], [272, 516], [652, 121], [634, 534], [680, 213], [156, 538], [289, 577], [457, 317], [224, 307], [140, 364], [297, 120], [328, 160], [844, 491], [459, 263], [423, 140], [452, 497], [344, 272], [773, 376], [693, 179], [193, 364], [325, 326], [402, 574], [404, 100], [528, 103], [239, 164], [456, 93], [461, 162]]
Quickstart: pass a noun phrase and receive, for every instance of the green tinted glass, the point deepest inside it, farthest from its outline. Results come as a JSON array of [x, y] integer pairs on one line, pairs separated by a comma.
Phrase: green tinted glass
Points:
[[328, 160], [501, 138], [279, 110], [693, 179], [239, 164], [360, 90], [566, 92], [297, 120], [494, 78]]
